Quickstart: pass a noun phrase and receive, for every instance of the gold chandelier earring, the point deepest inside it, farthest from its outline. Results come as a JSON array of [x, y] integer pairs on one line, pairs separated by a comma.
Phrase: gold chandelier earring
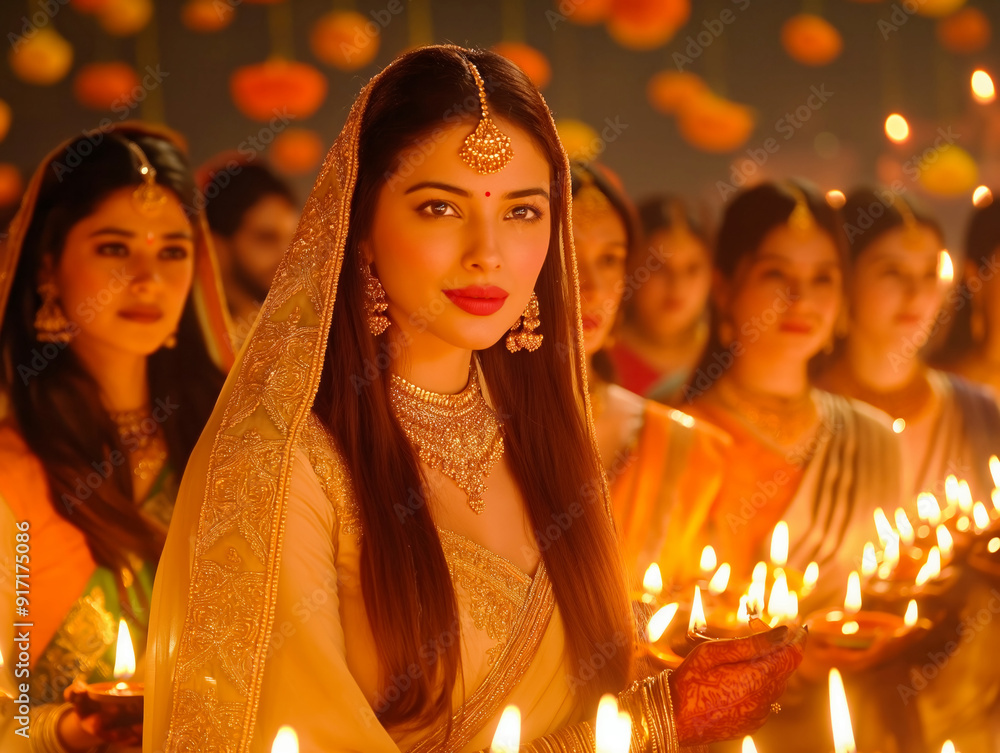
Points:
[[522, 334], [51, 324], [375, 302]]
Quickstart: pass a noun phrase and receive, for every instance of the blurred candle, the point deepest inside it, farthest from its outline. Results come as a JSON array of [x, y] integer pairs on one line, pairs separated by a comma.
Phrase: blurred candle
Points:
[[720, 581], [124, 655], [896, 128], [835, 198], [810, 577], [995, 496], [981, 517], [779, 544], [928, 508], [869, 562], [507, 738], [708, 559], [948, 747], [946, 268], [931, 568], [613, 729], [660, 621], [286, 741], [994, 545], [982, 197], [652, 581], [748, 746], [945, 542], [904, 527], [778, 603], [910, 618], [964, 496], [697, 623], [951, 494], [840, 716], [983, 90], [758, 582], [883, 526], [995, 470]]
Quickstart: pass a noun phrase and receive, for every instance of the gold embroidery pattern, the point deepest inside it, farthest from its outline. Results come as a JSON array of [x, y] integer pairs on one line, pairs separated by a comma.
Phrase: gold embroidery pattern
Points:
[[88, 631], [332, 473], [497, 588]]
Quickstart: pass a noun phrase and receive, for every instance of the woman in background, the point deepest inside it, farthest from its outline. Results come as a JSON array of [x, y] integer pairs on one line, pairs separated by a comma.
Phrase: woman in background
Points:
[[665, 326], [656, 457], [113, 342]]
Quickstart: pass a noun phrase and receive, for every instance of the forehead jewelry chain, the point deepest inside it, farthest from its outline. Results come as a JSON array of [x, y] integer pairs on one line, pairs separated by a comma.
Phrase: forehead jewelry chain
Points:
[[149, 197], [487, 149]]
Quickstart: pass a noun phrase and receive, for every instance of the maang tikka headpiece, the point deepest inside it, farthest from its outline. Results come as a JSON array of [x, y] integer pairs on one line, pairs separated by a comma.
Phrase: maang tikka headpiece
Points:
[[149, 197], [911, 227], [801, 218], [487, 149]]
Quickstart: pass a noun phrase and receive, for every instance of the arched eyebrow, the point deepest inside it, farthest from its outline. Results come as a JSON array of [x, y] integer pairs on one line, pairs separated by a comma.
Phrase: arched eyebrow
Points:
[[465, 194], [181, 236]]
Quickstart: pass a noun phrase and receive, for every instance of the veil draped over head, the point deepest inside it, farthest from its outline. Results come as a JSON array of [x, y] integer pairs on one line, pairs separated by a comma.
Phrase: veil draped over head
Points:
[[216, 589], [206, 292]]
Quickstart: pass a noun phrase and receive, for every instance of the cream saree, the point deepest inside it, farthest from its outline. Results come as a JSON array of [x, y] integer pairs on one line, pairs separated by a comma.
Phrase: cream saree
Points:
[[258, 619]]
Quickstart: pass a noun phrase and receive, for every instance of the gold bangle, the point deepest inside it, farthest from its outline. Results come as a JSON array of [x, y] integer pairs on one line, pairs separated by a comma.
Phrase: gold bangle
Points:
[[44, 734]]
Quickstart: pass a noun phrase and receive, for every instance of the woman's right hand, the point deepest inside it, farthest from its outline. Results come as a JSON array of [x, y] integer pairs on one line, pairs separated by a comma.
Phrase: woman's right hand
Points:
[[87, 725], [724, 688]]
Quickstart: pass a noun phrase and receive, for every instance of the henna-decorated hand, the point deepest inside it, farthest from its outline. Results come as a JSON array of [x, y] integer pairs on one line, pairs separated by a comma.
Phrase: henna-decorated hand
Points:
[[724, 688]]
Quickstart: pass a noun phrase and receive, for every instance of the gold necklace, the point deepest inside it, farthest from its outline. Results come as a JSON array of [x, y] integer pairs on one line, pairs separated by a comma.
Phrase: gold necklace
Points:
[[141, 437], [781, 420], [458, 435]]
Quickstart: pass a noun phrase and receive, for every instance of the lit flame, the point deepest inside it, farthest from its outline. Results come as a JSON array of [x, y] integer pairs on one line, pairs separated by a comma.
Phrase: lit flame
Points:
[[994, 545], [286, 741], [982, 87], [995, 496], [904, 527], [697, 623], [840, 716], [869, 562], [660, 621], [124, 654], [995, 469], [850, 628], [948, 747], [835, 199], [810, 577], [852, 602], [951, 493], [652, 581], [962, 524], [708, 559], [898, 425], [982, 197], [980, 517], [910, 618], [779, 544], [946, 268], [792, 609], [720, 581], [758, 581], [964, 497], [890, 557], [779, 596], [931, 568], [945, 542], [507, 738], [928, 508], [613, 728], [896, 128], [748, 746], [883, 526]]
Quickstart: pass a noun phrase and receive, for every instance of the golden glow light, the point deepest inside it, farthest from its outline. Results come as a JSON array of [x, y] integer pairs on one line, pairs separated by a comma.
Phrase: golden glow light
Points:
[[890, 557], [994, 545], [898, 425], [869, 562], [883, 526], [911, 616], [660, 621], [835, 199], [995, 470], [507, 738], [758, 581], [613, 731], [840, 716], [980, 517], [995, 496], [720, 581], [951, 493], [708, 559], [748, 746], [286, 741], [779, 544], [124, 654], [946, 268], [983, 90], [697, 623], [982, 197], [852, 602], [850, 628], [948, 747], [928, 508], [964, 497], [904, 527], [931, 568], [810, 577], [778, 602], [652, 581], [896, 128], [945, 541]]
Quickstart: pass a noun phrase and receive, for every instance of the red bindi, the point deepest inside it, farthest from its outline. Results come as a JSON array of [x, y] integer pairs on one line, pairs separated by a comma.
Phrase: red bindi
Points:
[[487, 193]]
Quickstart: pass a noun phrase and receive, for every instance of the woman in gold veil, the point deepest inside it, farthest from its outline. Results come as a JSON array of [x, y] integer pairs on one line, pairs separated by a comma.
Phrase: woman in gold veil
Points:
[[396, 523], [114, 344]]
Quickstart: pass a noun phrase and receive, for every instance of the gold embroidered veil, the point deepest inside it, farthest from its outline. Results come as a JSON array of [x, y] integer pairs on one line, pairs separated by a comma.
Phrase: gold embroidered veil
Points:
[[215, 597]]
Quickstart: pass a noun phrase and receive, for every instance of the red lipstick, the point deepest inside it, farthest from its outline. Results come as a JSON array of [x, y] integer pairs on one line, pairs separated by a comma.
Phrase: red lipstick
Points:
[[479, 300], [141, 314]]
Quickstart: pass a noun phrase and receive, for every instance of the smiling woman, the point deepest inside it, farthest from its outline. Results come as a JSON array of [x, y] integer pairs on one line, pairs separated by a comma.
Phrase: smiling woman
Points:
[[108, 276], [396, 523]]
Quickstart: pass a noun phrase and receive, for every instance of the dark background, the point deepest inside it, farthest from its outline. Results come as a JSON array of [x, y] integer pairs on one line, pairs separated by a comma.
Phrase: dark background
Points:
[[593, 79]]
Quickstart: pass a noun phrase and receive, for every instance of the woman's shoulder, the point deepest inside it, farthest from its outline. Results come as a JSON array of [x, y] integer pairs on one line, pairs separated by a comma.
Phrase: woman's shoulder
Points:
[[867, 420], [320, 454], [22, 477], [669, 419]]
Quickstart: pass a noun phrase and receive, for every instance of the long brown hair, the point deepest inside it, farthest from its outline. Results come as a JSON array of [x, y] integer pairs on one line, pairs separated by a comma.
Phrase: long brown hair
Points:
[[55, 401], [407, 589]]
